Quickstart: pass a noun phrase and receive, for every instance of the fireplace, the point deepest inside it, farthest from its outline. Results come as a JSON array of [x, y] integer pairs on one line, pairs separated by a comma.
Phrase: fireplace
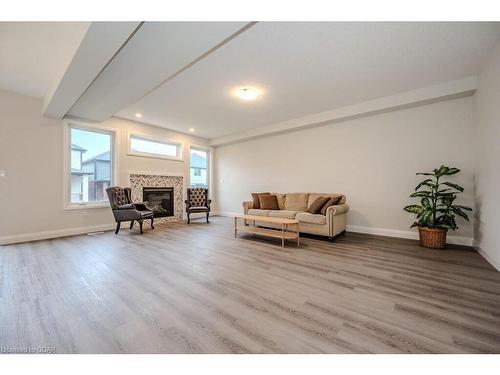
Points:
[[160, 200]]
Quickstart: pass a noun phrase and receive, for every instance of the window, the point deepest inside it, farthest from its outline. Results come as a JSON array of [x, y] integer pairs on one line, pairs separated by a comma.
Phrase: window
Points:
[[91, 165], [152, 147], [198, 164]]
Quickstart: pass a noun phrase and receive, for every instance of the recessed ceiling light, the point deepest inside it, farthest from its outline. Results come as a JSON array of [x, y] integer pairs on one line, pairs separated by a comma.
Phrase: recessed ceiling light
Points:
[[191, 130], [247, 93], [138, 115]]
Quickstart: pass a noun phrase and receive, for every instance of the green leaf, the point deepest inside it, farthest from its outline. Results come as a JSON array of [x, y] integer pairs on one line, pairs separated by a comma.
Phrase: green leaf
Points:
[[426, 219], [424, 182], [446, 221], [415, 224], [444, 226], [447, 200], [431, 184], [441, 171], [460, 213], [443, 190], [426, 203], [454, 186], [414, 209], [425, 174], [446, 194], [462, 207], [452, 171], [421, 194]]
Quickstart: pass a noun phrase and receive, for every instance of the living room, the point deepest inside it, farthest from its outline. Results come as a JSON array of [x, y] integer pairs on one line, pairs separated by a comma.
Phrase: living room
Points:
[[249, 187]]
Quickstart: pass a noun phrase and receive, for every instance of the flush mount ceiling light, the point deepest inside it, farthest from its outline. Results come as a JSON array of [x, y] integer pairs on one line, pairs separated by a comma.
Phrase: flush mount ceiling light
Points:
[[191, 130], [247, 93], [138, 115]]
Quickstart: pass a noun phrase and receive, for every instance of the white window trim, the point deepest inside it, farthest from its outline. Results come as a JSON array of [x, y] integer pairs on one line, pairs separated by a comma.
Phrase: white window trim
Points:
[[67, 125], [208, 150], [147, 137]]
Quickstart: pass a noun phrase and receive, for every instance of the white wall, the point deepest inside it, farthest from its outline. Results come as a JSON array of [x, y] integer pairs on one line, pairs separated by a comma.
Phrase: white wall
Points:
[[488, 160], [372, 160], [31, 152]]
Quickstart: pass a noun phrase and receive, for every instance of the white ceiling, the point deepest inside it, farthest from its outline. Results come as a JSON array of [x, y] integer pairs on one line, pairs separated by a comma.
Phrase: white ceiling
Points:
[[34, 55], [307, 68], [157, 51], [181, 75]]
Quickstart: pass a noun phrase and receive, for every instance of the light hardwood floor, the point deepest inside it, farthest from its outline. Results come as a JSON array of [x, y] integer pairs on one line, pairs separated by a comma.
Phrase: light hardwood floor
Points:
[[197, 289]]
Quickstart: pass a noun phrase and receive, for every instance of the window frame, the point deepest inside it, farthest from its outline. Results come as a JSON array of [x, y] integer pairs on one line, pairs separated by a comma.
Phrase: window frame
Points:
[[149, 138], [96, 128], [208, 150]]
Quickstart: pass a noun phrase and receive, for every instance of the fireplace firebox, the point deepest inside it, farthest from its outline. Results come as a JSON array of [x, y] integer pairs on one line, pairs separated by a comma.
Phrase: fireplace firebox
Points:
[[160, 200]]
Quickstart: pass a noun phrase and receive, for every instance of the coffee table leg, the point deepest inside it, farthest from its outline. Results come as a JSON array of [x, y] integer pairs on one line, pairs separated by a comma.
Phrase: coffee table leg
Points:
[[235, 230], [282, 235], [298, 235]]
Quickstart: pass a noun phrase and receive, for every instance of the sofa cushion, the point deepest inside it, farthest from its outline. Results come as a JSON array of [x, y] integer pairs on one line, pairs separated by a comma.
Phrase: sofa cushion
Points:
[[314, 196], [306, 217], [296, 201], [255, 199], [281, 200], [258, 212], [285, 214], [331, 202], [316, 206], [268, 202]]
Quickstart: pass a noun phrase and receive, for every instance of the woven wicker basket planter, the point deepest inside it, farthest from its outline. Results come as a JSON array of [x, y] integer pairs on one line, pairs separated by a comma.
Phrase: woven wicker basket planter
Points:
[[432, 237]]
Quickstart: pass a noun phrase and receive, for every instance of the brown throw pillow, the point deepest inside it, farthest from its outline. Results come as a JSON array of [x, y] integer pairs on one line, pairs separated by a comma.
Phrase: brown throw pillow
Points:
[[331, 202], [268, 202], [316, 206], [255, 199]]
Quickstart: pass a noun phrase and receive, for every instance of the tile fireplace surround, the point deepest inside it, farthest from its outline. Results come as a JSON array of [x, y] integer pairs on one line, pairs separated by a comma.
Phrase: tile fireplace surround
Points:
[[140, 180]]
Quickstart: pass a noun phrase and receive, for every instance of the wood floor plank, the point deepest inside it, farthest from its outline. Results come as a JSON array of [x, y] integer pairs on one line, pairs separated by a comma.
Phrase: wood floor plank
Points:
[[196, 289]]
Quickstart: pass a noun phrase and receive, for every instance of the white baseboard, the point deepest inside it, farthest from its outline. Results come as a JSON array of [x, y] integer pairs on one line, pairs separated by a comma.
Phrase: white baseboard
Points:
[[490, 258], [226, 213], [26, 237], [455, 240]]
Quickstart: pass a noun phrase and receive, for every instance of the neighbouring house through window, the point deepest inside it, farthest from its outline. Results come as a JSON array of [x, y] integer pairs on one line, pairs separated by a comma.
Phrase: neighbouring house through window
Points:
[[199, 167], [91, 165]]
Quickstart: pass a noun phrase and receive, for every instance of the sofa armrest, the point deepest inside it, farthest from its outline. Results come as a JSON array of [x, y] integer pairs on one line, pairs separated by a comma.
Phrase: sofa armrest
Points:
[[337, 209], [246, 206]]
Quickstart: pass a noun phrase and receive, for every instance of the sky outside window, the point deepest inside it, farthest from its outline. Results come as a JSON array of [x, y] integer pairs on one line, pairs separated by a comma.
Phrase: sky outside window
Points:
[[94, 143]]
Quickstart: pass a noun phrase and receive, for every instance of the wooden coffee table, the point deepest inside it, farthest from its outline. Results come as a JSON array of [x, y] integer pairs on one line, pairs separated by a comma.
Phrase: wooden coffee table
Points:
[[284, 233]]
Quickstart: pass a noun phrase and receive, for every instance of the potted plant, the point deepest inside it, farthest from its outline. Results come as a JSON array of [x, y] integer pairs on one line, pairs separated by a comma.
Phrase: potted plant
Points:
[[436, 211]]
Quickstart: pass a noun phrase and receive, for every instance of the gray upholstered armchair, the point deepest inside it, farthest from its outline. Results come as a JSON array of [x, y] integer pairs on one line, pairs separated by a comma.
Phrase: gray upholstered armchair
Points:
[[125, 210], [197, 201]]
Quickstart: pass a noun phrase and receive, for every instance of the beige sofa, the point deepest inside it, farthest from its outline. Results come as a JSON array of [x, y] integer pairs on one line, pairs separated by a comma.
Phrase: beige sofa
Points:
[[294, 206]]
